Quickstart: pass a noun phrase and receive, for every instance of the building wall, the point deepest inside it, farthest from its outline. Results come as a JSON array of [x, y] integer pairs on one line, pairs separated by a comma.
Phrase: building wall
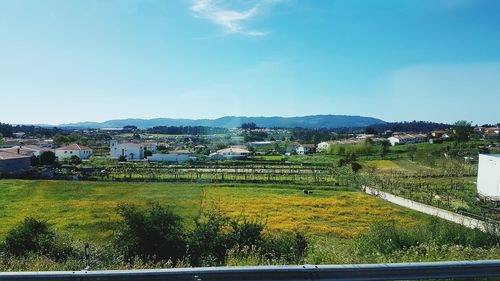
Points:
[[15, 165], [130, 151], [66, 154], [488, 176], [171, 157]]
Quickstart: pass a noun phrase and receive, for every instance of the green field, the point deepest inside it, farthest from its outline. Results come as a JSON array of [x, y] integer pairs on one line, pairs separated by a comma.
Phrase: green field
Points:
[[86, 210]]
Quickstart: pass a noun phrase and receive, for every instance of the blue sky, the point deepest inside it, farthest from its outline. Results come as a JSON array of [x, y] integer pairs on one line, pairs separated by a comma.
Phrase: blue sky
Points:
[[93, 60]]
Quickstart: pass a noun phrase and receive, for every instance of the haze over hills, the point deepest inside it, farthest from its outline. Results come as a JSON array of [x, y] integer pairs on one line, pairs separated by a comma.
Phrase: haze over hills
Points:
[[313, 121]]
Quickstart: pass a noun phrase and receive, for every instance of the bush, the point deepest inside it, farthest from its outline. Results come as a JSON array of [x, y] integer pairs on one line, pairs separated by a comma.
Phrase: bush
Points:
[[210, 240], [75, 160], [288, 248], [47, 158], [387, 237], [33, 236], [155, 234]]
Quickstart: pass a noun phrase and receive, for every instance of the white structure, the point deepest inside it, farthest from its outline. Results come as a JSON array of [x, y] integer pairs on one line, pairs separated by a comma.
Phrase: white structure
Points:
[[323, 146], [488, 176], [172, 157], [130, 150], [231, 153], [407, 139], [65, 152], [29, 150], [305, 149]]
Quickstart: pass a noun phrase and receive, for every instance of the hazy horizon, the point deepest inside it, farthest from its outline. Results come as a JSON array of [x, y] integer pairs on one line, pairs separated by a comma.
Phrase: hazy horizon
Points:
[[77, 61]]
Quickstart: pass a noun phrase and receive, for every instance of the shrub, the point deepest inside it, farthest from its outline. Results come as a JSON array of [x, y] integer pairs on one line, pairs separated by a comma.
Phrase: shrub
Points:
[[289, 248], [155, 234], [33, 236]]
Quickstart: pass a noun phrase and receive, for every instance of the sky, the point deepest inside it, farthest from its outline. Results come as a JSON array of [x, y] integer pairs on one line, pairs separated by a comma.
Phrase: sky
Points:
[[94, 60]]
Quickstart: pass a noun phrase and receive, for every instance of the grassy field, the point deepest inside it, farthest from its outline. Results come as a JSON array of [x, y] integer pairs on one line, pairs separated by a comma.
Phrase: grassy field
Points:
[[86, 210]]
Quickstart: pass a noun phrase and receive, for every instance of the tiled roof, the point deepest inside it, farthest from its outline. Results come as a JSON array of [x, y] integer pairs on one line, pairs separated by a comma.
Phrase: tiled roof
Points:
[[74, 146], [5, 155]]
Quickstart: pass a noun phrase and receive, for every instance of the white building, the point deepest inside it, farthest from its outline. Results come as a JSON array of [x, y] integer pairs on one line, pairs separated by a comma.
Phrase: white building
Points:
[[305, 149], [130, 150], [172, 157], [65, 152], [407, 139], [231, 153], [488, 176], [29, 150]]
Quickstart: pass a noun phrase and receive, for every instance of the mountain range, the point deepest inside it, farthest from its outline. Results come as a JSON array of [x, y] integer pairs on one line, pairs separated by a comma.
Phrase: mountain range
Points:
[[313, 121]]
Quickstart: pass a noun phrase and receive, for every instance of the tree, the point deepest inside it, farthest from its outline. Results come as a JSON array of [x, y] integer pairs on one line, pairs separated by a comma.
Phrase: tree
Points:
[[75, 160], [47, 158], [153, 234], [385, 147], [34, 236], [411, 151], [250, 126], [462, 130], [35, 161]]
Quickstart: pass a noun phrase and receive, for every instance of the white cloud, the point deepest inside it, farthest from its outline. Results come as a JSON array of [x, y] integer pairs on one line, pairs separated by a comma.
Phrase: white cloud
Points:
[[232, 20]]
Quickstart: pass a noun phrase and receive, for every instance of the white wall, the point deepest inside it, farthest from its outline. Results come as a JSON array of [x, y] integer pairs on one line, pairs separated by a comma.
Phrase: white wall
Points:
[[488, 176], [129, 150], [171, 157], [66, 154], [430, 210]]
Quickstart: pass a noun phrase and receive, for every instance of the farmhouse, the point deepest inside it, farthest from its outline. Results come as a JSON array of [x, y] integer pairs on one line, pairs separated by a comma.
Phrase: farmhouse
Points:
[[231, 153], [407, 139], [13, 162], [305, 149], [65, 152], [29, 150], [488, 176], [130, 150]]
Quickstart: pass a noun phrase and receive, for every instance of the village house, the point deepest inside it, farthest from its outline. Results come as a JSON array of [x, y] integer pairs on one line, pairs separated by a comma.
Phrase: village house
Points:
[[231, 153], [407, 139], [130, 150], [304, 149], [81, 151], [13, 162], [29, 150]]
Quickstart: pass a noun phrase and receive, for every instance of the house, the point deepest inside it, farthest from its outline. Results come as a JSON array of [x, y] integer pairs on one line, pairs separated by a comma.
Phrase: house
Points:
[[305, 149], [130, 150], [29, 150], [65, 152], [231, 153], [407, 139], [14, 162], [488, 176]]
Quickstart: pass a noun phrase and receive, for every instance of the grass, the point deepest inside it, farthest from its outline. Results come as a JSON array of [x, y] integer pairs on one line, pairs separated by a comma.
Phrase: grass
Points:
[[86, 210]]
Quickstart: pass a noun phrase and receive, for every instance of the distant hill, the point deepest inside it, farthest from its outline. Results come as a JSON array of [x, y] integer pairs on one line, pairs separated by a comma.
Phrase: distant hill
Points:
[[313, 121]]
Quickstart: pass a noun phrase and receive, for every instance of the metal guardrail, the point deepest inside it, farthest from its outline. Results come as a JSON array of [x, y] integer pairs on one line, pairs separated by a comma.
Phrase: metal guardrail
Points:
[[353, 272]]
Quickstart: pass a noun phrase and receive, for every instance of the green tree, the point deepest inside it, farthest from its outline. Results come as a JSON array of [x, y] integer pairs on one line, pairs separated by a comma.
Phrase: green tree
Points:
[[47, 158], [462, 130], [153, 234], [75, 160], [385, 144], [34, 236], [412, 150]]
